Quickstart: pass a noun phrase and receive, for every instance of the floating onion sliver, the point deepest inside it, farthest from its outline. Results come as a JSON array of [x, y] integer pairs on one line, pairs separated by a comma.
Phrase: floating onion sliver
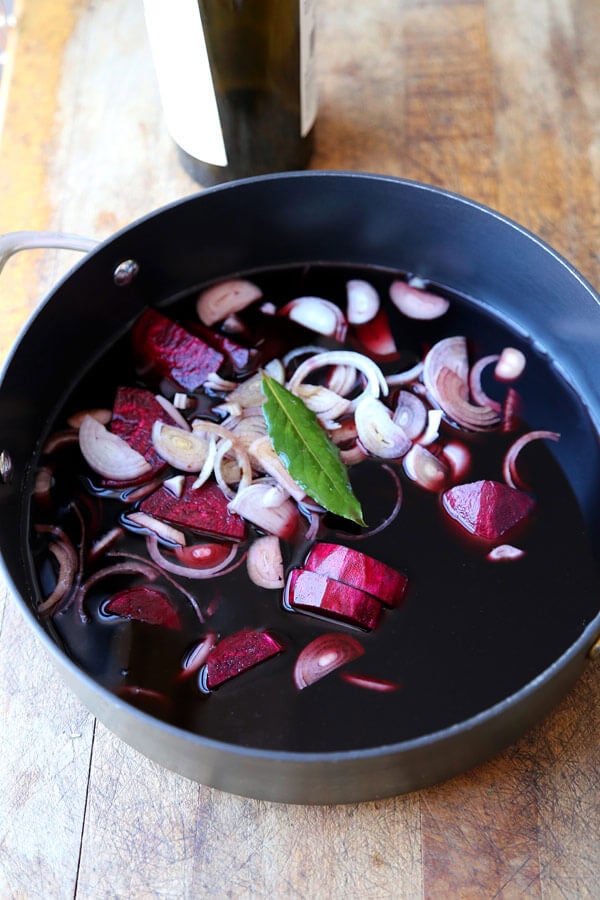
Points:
[[410, 413], [453, 399], [281, 520], [362, 301], [221, 568], [172, 411], [218, 302], [324, 655], [509, 465], [477, 392], [510, 365], [185, 450], [370, 532], [197, 655], [317, 314], [377, 431], [265, 563], [381, 685], [417, 303], [140, 521], [376, 383], [505, 552], [66, 557], [108, 454], [425, 469]]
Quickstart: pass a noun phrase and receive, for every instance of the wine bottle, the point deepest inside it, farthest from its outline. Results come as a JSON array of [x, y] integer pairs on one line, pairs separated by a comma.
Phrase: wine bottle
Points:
[[237, 82]]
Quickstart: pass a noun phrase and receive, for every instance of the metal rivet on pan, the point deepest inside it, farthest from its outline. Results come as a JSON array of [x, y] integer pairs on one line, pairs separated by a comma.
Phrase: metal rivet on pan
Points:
[[6, 467], [594, 651], [125, 272]]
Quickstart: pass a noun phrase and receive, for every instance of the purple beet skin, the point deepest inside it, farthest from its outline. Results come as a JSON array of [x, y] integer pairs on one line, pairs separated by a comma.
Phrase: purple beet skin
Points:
[[144, 604], [358, 570], [202, 509], [239, 652], [316, 593], [135, 411], [164, 349], [487, 509], [240, 358]]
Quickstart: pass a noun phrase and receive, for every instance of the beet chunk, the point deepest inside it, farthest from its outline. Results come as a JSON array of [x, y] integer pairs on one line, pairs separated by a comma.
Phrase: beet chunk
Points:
[[487, 509], [358, 570], [143, 604], [241, 359], [202, 509], [238, 652], [164, 349], [134, 413], [316, 593]]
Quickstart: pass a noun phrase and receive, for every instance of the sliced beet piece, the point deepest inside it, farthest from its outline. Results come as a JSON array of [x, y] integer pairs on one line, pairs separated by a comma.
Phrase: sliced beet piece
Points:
[[312, 592], [162, 348], [135, 411], [203, 509], [358, 570], [241, 359], [487, 509], [239, 652], [143, 604]]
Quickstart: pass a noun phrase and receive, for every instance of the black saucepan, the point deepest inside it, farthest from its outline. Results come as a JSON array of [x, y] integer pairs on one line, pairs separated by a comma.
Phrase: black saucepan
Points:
[[298, 219]]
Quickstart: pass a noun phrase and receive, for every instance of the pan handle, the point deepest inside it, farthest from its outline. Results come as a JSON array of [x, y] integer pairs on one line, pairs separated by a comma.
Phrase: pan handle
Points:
[[15, 241]]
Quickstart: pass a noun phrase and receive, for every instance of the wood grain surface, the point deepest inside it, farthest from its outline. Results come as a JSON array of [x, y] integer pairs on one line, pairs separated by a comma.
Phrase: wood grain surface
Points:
[[495, 99]]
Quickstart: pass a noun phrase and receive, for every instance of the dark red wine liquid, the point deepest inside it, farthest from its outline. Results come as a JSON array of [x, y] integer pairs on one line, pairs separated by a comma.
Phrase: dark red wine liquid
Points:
[[470, 632]]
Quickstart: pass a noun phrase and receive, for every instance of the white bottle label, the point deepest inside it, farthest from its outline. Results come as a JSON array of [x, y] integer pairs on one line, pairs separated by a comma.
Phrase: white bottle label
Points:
[[184, 78], [308, 67]]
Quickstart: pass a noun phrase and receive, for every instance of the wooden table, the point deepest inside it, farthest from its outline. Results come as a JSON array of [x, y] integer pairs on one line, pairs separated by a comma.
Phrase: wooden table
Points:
[[496, 99]]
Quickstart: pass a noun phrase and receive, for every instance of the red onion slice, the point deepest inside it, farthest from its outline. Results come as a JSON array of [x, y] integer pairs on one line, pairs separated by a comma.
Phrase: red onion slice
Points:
[[317, 314], [477, 393], [265, 563], [370, 682], [68, 565], [511, 364], [428, 471], [108, 454], [221, 568], [145, 523], [324, 655], [410, 413], [222, 300], [505, 552], [417, 303], [509, 466], [362, 301], [379, 434], [197, 655], [453, 399]]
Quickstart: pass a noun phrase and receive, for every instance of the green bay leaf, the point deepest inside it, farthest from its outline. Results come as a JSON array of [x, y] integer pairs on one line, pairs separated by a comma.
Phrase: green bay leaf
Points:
[[307, 452]]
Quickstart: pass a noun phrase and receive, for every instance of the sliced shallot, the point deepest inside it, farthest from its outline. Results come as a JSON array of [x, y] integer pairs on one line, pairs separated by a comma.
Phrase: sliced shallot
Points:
[[477, 392], [143, 522], [376, 383], [66, 557], [181, 448], [317, 314], [362, 301], [417, 303], [509, 466], [265, 563], [108, 454], [381, 685], [281, 520], [197, 655], [262, 453], [505, 552], [220, 568], [410, 413], [377, 431], [511, 364], [218, 302], [428, 471], [324, 655], [204, 556]]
